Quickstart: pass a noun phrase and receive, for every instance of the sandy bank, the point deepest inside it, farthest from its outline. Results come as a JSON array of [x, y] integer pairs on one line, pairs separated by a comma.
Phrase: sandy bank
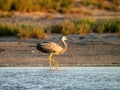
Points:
[[85, 50]]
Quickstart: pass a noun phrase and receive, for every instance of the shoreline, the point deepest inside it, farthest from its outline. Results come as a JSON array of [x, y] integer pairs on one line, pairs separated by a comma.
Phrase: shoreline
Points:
[[60, 67]]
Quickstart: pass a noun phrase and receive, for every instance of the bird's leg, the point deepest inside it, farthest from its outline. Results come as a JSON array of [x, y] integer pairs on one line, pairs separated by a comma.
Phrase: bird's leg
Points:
[[57, 65], [50, 58]]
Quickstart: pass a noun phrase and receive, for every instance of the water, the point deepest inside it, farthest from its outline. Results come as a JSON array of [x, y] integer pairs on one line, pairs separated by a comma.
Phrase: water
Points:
[[77, 78]]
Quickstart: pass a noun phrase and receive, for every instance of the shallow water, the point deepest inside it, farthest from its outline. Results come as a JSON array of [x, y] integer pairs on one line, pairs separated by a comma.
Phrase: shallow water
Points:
[[66, 78]]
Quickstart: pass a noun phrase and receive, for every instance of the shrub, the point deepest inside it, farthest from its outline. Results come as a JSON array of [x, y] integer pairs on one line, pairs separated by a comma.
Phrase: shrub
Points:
[[66, 5], [86, 2], [56, 28], [62, 6], [5, 5], [98, 26], [68, 27], [88, 25], [82, 26], [7, 29], [106, 26], [22, 30], [36, 5], [114, 25], [23, 6], [101, 4], [29, 31]]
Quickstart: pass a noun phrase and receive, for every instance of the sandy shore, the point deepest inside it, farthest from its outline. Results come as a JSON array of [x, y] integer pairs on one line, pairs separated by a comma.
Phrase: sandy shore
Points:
[[84, 50]]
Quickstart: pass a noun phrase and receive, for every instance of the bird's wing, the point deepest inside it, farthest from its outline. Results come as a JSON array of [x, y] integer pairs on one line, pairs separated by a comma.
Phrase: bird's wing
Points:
[[51, 46]]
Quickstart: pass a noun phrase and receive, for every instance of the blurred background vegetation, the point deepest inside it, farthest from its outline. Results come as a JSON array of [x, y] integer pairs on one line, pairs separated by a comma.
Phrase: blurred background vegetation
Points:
[[62, 6], [79, 26], [36, 5]]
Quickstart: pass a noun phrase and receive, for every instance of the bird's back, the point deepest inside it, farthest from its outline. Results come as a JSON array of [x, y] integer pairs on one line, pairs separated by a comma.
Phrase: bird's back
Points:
[[49, 47]]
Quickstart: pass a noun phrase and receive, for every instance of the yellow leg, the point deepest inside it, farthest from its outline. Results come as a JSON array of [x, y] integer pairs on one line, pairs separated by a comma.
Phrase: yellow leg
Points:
[[52, 60], [56, 63]]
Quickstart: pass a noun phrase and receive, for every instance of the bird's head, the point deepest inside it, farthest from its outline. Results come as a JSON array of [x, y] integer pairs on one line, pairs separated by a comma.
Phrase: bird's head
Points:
[[64, 38]]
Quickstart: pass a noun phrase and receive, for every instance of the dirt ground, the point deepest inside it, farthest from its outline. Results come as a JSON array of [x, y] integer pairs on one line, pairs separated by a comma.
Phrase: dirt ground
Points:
[[83, 50], [49, 18]]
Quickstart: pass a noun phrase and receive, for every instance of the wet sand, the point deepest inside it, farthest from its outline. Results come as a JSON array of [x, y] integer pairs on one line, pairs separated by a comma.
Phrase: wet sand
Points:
[[84, 50]]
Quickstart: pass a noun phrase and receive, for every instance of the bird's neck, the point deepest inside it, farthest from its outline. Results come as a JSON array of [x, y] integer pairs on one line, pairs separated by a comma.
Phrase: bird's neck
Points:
[[65, 46]]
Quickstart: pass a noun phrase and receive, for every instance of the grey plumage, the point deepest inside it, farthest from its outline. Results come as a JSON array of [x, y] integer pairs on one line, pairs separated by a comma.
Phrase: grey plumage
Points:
[[52, 47], [48, 47]]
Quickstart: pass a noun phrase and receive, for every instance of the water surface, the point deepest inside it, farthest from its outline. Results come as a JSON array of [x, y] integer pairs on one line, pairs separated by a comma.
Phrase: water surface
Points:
[[66, 78]]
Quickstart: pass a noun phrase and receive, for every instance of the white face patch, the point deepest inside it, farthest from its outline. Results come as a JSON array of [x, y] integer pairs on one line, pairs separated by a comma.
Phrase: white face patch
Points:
[[64, 38]]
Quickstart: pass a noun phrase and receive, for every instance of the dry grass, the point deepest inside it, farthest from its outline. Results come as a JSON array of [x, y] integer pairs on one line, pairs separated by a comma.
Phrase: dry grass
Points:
[[25, 30], [112, 5], [36, 5], [62, 6], [81, 26]]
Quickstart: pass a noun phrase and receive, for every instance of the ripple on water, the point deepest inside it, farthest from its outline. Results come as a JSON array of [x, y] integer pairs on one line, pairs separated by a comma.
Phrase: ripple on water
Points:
[[68, 78]]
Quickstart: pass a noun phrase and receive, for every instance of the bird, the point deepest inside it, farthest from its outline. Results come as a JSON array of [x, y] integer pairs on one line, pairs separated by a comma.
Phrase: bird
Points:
[[53, 49]]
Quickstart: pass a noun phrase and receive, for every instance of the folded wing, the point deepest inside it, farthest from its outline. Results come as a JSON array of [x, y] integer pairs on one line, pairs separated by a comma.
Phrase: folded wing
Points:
[[49, 47]]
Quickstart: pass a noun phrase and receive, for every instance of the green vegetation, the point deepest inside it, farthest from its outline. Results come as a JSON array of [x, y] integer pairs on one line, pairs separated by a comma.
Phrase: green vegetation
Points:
[[24, 30], [36, 5], [88, 25], [104, 26], [62, 6], [5, 5], [81, 26], [102, 4]]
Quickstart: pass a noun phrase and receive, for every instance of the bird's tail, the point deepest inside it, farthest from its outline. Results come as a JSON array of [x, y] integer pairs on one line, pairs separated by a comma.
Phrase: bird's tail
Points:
[[38, 46]]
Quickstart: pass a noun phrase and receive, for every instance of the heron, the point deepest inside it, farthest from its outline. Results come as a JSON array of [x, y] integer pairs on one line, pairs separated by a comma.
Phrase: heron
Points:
[[53, 49]]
